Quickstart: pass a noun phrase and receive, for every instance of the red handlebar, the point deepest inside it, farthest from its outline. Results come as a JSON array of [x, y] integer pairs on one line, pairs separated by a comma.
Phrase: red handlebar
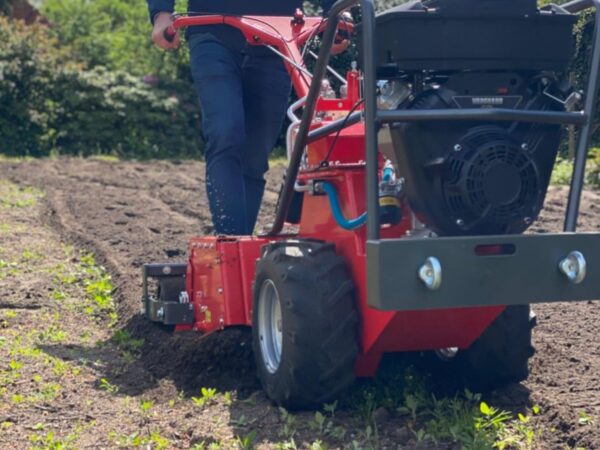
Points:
[[287, 35]]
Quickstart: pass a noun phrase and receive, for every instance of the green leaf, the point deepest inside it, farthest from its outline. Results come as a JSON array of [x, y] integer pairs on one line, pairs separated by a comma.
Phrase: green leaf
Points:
[[485, 409]]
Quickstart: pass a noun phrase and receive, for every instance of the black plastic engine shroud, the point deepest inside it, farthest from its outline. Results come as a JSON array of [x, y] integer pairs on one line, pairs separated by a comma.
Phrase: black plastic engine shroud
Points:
[[465, 178], [446, 35]]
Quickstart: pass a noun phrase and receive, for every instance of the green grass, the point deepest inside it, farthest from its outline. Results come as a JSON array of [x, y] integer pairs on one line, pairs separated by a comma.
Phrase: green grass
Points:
[[98, 288], [14, 196], [106, 158], [465, 420], [563, 170]]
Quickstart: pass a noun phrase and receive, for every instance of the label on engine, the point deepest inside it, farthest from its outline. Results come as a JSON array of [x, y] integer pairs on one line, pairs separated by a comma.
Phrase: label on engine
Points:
[[493, 101]]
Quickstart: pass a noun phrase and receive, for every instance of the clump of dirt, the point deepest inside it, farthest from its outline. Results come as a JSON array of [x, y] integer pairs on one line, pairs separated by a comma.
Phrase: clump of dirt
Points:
[[130, 213]]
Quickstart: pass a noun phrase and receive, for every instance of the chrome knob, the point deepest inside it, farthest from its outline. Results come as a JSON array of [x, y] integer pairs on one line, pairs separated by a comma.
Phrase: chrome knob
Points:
[[574, 267], [430, 273]]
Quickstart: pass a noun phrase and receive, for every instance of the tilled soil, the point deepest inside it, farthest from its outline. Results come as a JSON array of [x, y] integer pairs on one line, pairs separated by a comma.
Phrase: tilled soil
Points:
[[130, 213]]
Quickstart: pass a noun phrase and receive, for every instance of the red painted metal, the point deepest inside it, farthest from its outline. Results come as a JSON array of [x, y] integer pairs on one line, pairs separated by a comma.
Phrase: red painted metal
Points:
[[220, 276], [280, 32], [222, 269]]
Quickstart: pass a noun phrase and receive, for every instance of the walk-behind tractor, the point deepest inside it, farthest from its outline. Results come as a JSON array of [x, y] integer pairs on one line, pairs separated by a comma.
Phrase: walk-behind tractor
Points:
[[410, 183]]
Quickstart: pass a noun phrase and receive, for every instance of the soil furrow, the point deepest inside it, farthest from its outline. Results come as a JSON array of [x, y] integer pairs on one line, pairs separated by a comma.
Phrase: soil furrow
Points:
[[130, 213]]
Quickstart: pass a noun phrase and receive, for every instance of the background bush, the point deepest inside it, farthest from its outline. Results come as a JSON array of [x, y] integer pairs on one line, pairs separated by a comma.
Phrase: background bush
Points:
[[114, 34], [76, 87], [52, 103]]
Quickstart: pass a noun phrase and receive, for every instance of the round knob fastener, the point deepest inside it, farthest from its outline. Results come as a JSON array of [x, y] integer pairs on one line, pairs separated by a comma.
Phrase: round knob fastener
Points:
[[430, 273], [574, 267]]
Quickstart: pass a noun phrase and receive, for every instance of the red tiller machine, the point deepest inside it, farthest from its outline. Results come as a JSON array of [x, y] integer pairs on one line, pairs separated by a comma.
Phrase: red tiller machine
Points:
[[409, 185]]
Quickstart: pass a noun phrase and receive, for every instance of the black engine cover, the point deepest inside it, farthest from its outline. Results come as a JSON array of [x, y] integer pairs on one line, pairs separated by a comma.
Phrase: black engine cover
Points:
[[445, 35], [465, 178]]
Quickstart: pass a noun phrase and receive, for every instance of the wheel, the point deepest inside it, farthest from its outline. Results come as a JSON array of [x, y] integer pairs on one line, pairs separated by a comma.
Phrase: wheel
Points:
[[498, 357], [168, 290], [304, 332]]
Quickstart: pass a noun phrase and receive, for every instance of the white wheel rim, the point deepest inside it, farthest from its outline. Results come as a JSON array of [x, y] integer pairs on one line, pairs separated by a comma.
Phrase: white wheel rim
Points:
[[270, 325]]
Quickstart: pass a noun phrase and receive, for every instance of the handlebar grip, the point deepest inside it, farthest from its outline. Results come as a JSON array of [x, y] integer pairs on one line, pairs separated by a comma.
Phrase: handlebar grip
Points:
[[342, 35], [170, 33]]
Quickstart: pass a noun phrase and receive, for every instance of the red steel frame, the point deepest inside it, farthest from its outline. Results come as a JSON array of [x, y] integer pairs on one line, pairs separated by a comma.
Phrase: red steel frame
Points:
[[221, 270]]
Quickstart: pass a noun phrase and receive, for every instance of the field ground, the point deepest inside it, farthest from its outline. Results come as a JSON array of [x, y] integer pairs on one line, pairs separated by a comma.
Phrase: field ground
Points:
[[80, 368]]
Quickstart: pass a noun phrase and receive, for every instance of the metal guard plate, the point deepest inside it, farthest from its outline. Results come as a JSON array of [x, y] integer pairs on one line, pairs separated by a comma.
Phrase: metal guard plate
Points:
[[529, 275]]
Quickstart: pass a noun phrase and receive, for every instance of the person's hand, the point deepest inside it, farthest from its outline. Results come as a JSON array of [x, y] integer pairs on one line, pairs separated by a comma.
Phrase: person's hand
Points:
[[162, 21], [342, 41], [340, 47]]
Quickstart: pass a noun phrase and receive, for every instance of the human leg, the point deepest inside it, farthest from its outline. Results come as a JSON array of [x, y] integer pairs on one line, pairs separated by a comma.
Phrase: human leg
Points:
[[267, 88], [218, 80]]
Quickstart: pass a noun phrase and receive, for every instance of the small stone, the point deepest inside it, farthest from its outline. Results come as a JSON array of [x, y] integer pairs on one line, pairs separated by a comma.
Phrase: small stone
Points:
[[403, 434], [380, 415]]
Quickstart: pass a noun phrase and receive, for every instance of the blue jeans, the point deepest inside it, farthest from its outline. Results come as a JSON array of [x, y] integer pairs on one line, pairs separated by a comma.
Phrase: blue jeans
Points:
[[243, 100]]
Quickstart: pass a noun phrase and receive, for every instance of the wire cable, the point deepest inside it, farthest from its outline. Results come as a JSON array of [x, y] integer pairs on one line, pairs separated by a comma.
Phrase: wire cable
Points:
[[325, 161]]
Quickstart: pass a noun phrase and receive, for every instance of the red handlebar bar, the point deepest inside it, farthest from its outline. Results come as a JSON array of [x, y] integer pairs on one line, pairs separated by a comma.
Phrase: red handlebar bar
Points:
[[287, 35]]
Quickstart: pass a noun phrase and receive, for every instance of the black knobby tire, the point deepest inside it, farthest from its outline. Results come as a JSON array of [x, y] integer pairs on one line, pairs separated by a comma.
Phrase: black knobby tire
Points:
[[500, 356], [319, 336]]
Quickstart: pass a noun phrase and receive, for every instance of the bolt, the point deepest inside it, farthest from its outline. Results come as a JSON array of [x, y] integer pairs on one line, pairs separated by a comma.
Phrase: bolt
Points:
[[574, 267], [183, 297], [458, 148], [524, 146], [460, 222], [430, 273], [528, 220]]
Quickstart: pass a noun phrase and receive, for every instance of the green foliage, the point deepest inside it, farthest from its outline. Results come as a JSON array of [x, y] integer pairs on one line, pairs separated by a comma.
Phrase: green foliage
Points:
[[114, 34], [206, 396], [561, 175], [594, 168], [48, 106], [5, 7], [247, 442], [26, 57], [105, 385], [99, 291], [113, 112], [563, 170], [50, 441], [126, 342]]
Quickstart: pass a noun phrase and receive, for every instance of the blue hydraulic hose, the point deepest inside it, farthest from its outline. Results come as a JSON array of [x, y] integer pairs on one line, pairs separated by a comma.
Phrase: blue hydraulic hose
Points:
[[337, 211]]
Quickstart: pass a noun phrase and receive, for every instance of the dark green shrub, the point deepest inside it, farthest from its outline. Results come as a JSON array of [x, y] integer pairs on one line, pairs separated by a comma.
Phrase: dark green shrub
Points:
[[49, 105], [114, 34], [101, 111], [27, 59], [594, 168]]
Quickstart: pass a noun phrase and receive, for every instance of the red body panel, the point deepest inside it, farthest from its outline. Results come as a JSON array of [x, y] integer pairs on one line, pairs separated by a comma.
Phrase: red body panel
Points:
[[222, 270], [220, 275]]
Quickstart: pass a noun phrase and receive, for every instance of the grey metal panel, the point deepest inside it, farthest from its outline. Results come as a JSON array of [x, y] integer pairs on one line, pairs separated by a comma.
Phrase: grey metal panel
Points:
[[530, 275], [169, 313], [165, 270]]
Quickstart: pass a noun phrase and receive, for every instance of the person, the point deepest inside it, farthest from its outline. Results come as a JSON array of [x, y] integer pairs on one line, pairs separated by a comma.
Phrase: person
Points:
[[243, 92]]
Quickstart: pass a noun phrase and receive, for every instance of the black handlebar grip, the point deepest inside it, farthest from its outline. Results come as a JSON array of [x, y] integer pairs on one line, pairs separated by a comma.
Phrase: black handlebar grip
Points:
[[169, 33]]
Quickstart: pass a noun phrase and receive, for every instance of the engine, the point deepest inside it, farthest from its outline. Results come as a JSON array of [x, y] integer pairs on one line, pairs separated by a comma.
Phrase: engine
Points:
[[463, 177]]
